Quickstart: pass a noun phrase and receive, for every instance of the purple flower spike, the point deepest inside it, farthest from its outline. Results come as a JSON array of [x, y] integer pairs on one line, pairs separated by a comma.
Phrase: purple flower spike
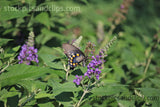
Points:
[[93, 69], [78, 80], [94, 66], [28, 54]]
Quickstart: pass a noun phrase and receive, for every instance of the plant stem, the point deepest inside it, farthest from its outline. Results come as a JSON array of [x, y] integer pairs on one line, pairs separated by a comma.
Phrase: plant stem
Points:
[[84, 93], [146, 68], [149, 60], [67, 70], [66, 75], [28, 100], [5, 67]]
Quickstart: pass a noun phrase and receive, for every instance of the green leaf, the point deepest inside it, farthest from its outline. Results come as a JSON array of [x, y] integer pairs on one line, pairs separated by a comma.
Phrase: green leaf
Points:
[[138, 70], [4, 41], [4, 3], [8, 95], [48, 104], [50, 33], [130, 57], [149, 91], [106, 70], [44, 94], [19, 72], [31, 85], [12, 101], [43, 18], [51, 61], [123, 103], [12, 51], [150, 95], [49, 37], [3, 94], [108, 90], [156, 81], [8, 12], [63, 92], [59, 88]]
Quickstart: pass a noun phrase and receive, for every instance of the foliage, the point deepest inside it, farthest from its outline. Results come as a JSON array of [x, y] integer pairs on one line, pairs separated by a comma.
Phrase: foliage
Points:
[[127, 31]]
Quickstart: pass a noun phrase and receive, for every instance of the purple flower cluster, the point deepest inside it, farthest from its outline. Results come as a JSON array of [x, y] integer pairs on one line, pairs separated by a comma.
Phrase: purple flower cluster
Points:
[[93, 69], [78, 80], [28, 54]]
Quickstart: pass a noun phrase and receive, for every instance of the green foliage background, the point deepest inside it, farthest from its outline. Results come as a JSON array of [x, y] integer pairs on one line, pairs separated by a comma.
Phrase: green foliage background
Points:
[[132, 67]]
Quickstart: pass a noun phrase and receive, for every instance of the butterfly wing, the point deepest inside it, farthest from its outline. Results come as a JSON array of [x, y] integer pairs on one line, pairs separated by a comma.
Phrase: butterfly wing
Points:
[[74, 55]]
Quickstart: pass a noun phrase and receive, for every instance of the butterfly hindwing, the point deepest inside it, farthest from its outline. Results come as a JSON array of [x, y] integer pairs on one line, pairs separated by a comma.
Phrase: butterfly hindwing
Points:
[[73, 62], [75, 56]]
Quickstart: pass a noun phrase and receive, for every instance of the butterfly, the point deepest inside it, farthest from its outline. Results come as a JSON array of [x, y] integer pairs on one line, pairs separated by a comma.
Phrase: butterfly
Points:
[[75, 55]]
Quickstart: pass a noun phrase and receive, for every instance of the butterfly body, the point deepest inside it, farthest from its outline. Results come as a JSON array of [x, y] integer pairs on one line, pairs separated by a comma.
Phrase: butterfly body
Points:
[[75, 56]]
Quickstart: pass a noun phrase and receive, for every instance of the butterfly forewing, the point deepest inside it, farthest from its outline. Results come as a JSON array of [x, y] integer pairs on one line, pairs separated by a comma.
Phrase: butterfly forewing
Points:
[[74, 55], [70, 49]]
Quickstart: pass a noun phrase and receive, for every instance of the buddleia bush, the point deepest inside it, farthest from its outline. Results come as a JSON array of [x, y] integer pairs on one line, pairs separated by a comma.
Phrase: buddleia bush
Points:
[[119, 39]]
